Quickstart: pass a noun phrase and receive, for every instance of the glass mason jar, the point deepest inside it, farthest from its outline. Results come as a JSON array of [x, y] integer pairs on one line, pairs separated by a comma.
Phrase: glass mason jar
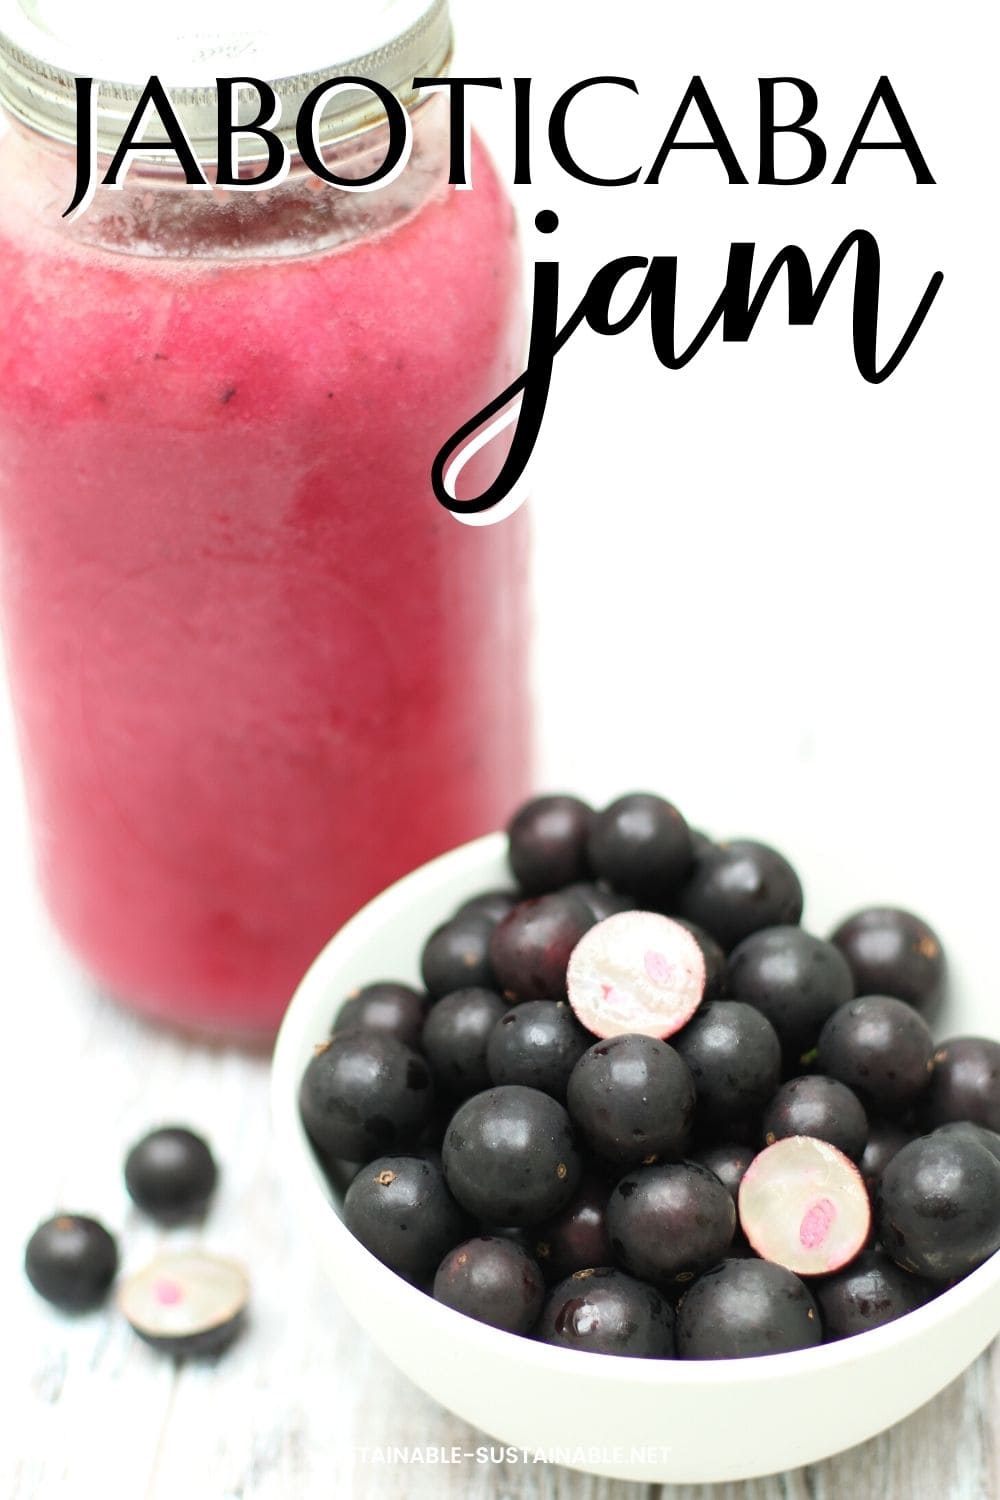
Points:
[[257, 670]]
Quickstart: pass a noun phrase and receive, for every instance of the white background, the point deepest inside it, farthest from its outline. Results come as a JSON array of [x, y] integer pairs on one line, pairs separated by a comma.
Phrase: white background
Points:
[[763, 586], [766, 586]]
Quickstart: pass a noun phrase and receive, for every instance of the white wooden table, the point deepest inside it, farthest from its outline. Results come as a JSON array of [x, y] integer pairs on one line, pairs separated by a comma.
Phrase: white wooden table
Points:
[[285, 1413], [87, 1410]]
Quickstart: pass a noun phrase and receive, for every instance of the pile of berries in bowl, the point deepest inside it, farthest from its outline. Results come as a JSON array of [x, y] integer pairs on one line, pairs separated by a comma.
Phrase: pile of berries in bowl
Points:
[[634, 1109]]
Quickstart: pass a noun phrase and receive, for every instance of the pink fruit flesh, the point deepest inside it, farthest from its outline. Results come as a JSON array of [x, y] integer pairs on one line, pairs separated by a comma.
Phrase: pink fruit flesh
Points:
[[182, 1294], [804, 1205], [636, 971], [817, 1223]]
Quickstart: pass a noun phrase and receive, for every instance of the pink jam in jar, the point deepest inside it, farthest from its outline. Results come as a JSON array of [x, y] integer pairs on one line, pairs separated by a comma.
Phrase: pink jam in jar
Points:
[[258, 671]]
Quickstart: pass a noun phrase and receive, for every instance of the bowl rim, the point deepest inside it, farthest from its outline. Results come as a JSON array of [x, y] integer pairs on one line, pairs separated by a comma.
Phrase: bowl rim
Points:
[[301, 1171]]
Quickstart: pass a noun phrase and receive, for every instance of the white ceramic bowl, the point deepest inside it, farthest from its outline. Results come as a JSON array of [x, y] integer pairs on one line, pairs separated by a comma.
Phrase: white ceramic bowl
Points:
[[677, 1421]]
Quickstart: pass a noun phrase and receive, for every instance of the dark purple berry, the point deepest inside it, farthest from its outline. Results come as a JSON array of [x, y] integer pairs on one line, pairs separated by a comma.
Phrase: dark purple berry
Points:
[[432, 1131], [715, 960], [171, 1174], [965, 1083], [493, 1281], [642, 845], [530, 948], [743, 1308], [517, 1234], [971, 1132], [734, 1056], [882, 1049], [510, 1157], [537, 1044], [885, 1138], [599, 900], [736, 888], [821, 1107], [456, 956], [794, 979], [603, 1311], [576, 1238], [893, 952], [400, 1208], [937, 1208], [395, 1009], [455, 1037], [71, 1261], [868, 1293], [494, 905], [668, 1223], [729, 1162], [364, 1094], [632, 1097], [548, 843]]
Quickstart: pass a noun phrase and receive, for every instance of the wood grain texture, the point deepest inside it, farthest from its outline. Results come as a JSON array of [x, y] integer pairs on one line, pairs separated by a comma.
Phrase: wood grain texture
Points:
[[287, 1413]]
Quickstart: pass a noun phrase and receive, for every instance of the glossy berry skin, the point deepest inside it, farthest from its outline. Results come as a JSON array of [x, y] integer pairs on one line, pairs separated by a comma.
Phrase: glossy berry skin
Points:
[[536, 1044], [396, 1009], [937, 1207], [576, 1238], [171, 1174], [965, 1083], [642, 845], [885, 1138], [494, 905], [494, 1281], [600, 901], [602, 1311], [400, 1208], [882, 1049], [455, 1038], [893, 952], [868, 1293], [821, 1107], [632, 1098], [530, 948], [364, 1094], [668, 1223], [456, 956], [516, 1234], [737, 888], [510, 1157], [715, 960], [743, 1308], [796, 980], [729, 1161], [547, 843], [734, 1056], [969, 1131], [71, 1260]]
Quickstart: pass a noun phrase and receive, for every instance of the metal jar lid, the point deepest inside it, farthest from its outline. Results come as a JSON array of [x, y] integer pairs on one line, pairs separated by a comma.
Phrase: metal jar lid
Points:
[[46, 44]]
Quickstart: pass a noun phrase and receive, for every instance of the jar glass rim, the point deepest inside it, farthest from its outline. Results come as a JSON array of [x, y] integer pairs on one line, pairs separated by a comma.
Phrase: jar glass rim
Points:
[[39, 69]]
